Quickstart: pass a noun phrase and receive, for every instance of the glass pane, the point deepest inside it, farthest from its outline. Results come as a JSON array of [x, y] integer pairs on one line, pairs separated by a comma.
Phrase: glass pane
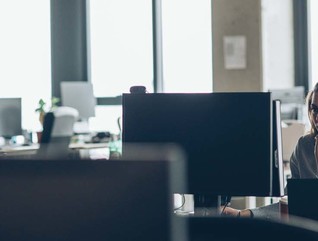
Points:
[[25, 57], [313, 41], [121, 45], [187, 45], [108, 118], [277, 44]]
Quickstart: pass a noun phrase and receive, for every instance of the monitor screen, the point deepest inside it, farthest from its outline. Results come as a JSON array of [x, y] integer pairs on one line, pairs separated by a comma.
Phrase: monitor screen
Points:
[[10, 117], [227, 137], [79, 95]]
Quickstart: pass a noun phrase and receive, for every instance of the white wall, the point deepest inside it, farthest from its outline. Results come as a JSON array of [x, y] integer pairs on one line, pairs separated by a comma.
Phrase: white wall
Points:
[[267, 26], [237, 18]]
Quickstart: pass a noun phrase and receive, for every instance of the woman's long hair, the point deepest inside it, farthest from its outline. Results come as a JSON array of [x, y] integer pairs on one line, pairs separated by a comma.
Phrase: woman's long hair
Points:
[[313, 129]]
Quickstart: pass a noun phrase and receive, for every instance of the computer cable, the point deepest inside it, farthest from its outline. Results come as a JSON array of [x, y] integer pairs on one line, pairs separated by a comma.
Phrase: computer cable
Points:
[[225, 205]]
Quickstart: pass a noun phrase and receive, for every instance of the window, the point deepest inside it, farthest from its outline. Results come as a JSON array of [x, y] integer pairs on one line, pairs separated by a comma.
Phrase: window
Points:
[[25, 55], [121, 50], [277, 44], [121, 45], [121, 53], [187, 45], [313, 40]]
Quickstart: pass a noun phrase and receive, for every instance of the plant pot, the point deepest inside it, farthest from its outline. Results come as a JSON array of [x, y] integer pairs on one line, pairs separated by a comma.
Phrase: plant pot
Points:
[[39, 136], [41, 117]]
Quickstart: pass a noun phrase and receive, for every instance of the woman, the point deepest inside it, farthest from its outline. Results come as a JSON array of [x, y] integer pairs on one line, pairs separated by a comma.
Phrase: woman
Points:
[[303, 161]]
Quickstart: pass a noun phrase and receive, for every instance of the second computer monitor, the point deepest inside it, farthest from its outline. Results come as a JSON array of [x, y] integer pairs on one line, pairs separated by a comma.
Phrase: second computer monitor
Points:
[[79, 95], [10, 117]]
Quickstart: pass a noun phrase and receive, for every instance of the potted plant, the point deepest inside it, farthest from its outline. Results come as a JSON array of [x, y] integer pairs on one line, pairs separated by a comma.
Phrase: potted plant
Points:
[[42, 109]]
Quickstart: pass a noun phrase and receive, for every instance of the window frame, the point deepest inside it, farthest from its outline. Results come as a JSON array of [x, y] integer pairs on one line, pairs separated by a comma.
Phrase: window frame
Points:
[[301, 56]]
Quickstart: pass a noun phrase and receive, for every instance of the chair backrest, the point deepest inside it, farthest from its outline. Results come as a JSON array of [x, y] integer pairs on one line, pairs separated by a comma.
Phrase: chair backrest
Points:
[[57, 132], [290, 135], [59, 123]]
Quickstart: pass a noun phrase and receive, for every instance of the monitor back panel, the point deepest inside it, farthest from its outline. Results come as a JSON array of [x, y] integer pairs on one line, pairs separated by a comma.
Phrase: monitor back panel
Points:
[[226, 136], [84, 200], [71, 90]]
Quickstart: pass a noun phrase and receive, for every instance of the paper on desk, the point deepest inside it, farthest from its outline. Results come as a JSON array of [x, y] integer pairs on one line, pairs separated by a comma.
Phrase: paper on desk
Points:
[[88, 145]]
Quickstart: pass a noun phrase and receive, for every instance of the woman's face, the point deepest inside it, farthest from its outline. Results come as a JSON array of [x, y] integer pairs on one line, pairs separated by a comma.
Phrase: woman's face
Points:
[[314, 110]]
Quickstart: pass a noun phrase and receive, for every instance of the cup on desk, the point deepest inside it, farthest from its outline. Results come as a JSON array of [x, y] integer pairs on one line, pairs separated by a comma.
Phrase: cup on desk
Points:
[[183, 204], [39, 136], [283, 207]]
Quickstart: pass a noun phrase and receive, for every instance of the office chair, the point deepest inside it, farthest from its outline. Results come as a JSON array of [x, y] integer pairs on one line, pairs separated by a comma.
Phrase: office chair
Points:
[[290, 135], [57, 132]]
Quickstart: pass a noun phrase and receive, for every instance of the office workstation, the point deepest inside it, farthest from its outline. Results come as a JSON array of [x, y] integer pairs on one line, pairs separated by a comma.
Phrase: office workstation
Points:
[[211, 82], [58, 136], [210, 171]]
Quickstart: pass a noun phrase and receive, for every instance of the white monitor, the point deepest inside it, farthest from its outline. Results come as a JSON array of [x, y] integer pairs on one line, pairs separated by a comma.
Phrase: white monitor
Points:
[[79, 95], [10, 117]]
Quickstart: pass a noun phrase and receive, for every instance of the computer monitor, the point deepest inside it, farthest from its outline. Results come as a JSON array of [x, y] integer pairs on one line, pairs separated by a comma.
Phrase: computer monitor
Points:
[[228, 137], [79, 95], [292, 102], [10, 117]]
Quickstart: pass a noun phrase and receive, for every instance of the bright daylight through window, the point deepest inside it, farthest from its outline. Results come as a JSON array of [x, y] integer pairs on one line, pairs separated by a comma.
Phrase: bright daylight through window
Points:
[[25, 57], [313, 40]]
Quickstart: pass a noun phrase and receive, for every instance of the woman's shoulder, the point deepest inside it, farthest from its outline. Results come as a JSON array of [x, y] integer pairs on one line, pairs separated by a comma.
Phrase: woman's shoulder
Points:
[[305, 139]]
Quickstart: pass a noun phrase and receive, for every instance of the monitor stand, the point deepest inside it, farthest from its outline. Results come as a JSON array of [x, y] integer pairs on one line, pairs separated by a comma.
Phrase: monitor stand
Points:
[[207, 205]]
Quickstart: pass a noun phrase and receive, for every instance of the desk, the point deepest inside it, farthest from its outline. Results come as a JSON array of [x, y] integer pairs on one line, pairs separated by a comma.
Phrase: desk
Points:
[[19, 150], [86, 150]]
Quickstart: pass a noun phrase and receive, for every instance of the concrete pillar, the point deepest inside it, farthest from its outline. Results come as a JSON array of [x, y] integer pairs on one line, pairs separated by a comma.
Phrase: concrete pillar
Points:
[[237, 18]]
